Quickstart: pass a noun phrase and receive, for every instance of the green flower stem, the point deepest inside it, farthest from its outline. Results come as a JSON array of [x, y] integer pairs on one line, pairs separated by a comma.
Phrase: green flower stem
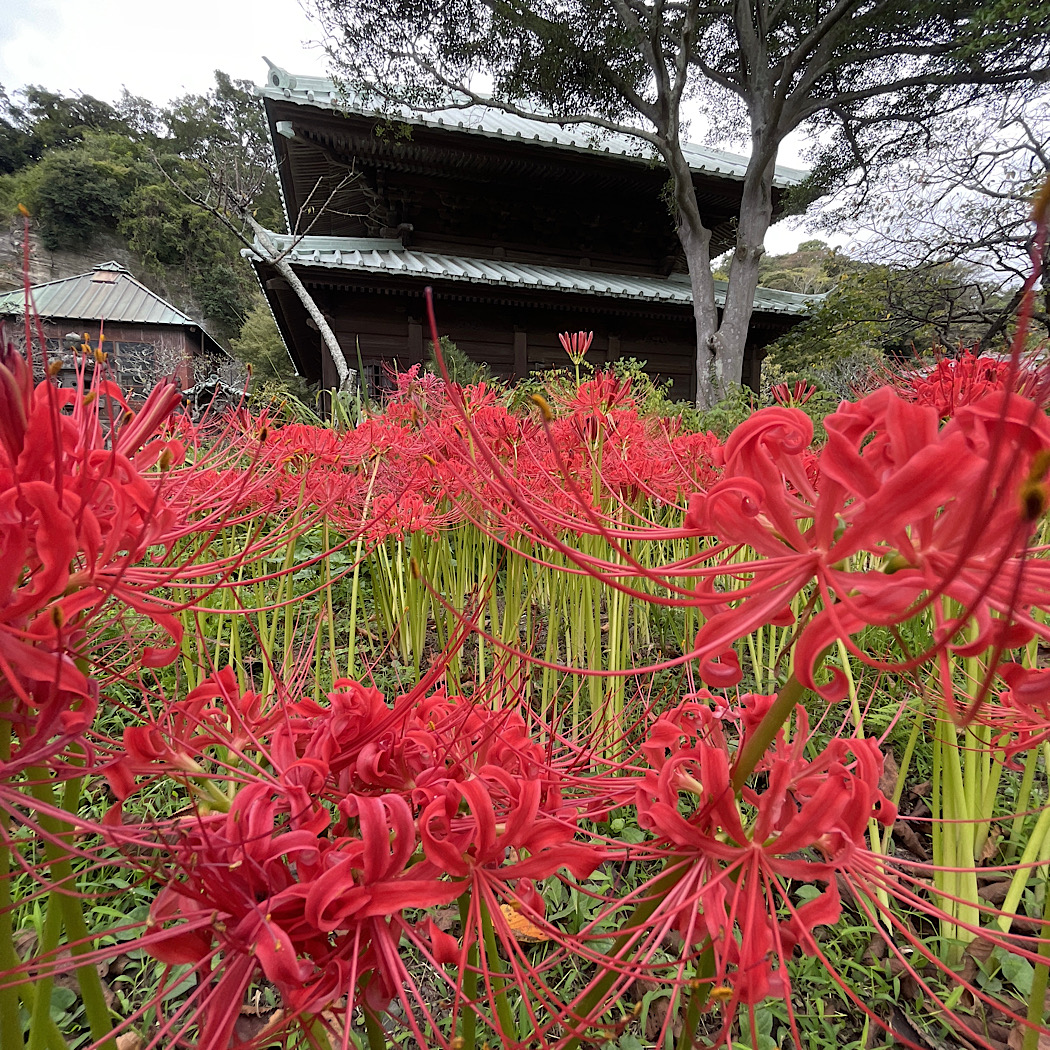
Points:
[[499, 984], [1038, 847], [959, 807], [469, 1024], [1037, 998], [374, 1030], [698, 996], [329, 606], [63, 879], [874, 832], [555, 631], [757, 742], [44, 986], [1023, 792], [10, 1026]]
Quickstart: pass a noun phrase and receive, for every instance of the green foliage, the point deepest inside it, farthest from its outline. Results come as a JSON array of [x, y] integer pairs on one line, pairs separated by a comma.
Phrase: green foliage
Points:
[[652, 395], [223, 293], [813, 268], [260, 345], [37, 120], [730, 412], [870, 314], [161, 226], [461, 368], [77, 192], [75, 201], [82, 167], [224, 131]]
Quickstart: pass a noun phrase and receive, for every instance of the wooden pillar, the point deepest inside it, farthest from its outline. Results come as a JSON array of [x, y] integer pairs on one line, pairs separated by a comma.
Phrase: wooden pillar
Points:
[[521, 354], [415, 342], [753, 358], [613, 353]]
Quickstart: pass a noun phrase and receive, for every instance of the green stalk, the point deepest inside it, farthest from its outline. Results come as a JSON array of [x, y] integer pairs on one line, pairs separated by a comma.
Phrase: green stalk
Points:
[[10, 1026], [698, 996], [333, 665], [551, 654], [401, 606], [937, 837], [993, 773], [374, 1030], [902, 773], [1038, 846], [1023, 793], [45, 985], [481, 619], [758, 742], [1037, 997], [874, 833], [63, 879], [469, 976], [499, 984], [959, 807], [352, 654], [642, 911]]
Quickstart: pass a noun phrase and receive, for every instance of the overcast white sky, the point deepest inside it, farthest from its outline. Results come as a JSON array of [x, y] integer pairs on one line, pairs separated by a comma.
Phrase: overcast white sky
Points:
[[162, 50]]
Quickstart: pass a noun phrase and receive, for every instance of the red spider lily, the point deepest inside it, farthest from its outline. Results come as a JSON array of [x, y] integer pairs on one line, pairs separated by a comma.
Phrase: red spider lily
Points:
[[76, 512], [576, 344], [369, 810], [792, 396], [742, 868], [890, 484], [955, 381], [283, 893]]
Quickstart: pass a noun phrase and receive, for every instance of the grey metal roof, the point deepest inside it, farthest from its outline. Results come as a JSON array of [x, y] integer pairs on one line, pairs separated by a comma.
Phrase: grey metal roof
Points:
[[106, 293], [365, 255], [494, 123]]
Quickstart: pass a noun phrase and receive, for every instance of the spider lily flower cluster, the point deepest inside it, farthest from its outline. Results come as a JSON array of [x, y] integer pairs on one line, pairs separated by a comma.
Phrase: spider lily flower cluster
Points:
[[170, 621]]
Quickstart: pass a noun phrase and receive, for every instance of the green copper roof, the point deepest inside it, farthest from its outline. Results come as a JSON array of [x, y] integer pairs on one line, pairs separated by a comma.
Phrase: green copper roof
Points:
[[362, 255], [494, 123], [106, 293]]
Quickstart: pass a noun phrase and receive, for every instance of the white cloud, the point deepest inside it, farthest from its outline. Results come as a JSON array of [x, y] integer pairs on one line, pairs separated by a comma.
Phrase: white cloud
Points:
[[156, 50]]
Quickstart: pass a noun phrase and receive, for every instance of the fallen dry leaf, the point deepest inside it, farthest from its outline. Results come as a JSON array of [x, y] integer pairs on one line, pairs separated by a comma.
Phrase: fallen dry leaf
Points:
[[1016, 1040]]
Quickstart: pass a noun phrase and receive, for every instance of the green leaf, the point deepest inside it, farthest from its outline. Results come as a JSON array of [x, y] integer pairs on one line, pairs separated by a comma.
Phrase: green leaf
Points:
[[62, 1000], [1019, 972]]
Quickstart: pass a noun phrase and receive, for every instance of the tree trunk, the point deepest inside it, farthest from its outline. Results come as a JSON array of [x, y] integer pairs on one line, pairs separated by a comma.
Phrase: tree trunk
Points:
[[284, 268], [696, 242], [721, 340], [756, 212]]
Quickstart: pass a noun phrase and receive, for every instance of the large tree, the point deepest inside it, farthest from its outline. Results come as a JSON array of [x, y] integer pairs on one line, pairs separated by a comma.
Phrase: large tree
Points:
[[962, 206], [866, 75]]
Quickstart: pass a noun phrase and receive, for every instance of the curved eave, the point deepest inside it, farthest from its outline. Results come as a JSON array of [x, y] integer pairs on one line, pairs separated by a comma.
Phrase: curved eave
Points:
[[490, 123], [386, 258]]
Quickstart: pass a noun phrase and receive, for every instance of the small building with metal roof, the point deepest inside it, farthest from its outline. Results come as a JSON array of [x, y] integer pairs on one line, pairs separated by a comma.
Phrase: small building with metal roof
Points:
[[523, 228], [144, 336]]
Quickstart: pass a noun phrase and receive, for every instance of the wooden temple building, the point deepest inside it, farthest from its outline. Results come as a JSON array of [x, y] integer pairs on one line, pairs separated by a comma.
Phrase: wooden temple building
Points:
[[143, 336], [523, 229]]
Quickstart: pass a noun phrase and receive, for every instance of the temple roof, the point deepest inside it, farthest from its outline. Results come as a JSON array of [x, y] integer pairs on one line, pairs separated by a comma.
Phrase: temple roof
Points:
[[493, 123], [106, 293], [367, 255]]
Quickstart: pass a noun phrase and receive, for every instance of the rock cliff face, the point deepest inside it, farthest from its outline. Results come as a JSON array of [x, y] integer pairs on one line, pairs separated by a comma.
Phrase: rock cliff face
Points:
[[45, 265]]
